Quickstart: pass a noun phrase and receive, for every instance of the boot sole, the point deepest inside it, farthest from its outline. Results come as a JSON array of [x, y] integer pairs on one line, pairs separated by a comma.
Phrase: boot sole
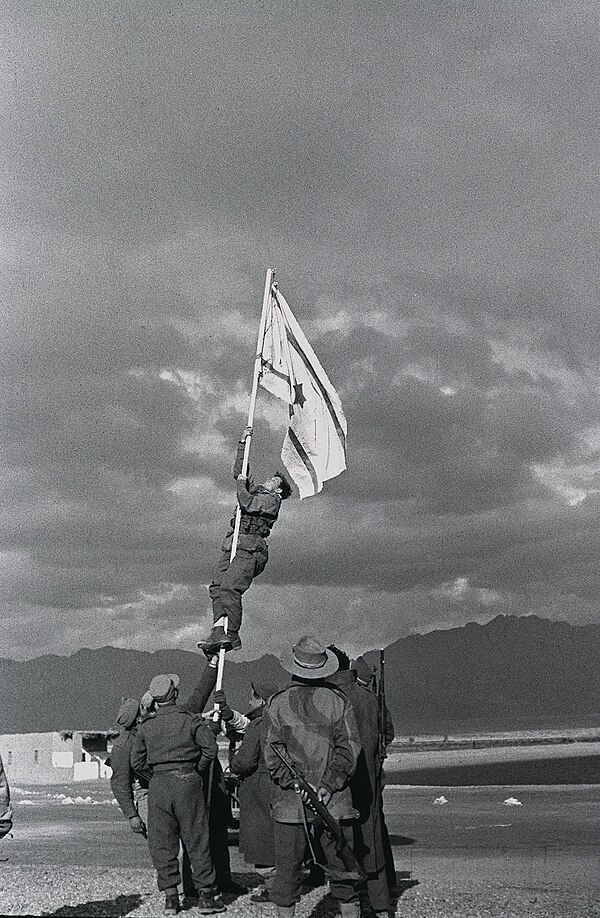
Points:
[[211, 649]]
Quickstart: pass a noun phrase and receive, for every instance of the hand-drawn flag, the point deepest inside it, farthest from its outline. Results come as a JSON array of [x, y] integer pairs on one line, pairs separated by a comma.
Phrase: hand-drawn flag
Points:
[[314, 448]]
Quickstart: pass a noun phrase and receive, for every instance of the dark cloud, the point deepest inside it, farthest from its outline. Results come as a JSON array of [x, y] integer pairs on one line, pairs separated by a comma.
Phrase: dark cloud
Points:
[[424, 182]]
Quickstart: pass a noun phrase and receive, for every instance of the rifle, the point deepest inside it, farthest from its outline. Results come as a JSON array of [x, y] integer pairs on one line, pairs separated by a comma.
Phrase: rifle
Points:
[[381, 707], [345, 853]]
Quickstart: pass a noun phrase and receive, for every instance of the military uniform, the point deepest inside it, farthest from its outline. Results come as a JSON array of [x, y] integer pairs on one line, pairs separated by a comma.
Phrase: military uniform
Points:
[[129, 790], [365, 786], [220, 808], [176, 747], [256, 825], [259, 511], [314, 725], [365, 678]]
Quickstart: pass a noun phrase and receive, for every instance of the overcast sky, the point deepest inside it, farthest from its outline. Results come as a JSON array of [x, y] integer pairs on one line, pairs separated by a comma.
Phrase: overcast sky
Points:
[[423, 177]]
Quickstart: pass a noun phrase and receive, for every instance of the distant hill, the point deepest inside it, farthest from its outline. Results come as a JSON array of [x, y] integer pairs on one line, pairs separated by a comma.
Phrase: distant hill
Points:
[[524, 672], [512, 673], [83, 691]]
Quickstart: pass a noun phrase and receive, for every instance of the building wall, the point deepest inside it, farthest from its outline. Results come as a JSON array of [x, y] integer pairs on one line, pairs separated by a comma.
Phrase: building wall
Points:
[[37, 758], [54, 758]]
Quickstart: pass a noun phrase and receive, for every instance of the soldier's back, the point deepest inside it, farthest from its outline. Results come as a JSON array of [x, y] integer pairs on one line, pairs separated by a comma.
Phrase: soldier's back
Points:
[[170, 735]]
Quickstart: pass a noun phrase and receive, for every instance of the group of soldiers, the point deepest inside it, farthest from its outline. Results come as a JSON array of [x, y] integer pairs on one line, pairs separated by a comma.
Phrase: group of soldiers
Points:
[[309, 757], [328, 724]]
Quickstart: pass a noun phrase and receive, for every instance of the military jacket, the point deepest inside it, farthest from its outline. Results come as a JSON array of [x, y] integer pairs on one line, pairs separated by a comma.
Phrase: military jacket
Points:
[[175, 736], [260, 507], [256, 826], [316, 728], [365, 784], [123, 779]]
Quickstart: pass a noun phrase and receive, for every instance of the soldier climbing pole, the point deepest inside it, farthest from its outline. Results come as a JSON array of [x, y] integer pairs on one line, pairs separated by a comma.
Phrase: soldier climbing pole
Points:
[[246, 459]]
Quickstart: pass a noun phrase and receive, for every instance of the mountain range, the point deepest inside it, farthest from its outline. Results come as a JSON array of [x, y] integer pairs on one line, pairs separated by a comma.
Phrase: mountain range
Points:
[[513, 672]]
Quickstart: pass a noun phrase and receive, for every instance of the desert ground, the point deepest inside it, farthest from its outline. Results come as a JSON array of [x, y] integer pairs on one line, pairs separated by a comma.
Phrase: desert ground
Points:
[[479, 851]]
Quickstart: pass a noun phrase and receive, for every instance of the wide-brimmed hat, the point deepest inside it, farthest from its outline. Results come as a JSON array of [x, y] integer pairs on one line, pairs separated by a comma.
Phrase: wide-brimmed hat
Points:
[[162, 686], [309, 659]]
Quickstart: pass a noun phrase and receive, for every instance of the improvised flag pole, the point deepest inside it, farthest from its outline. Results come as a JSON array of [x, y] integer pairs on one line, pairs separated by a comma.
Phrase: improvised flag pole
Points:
[[246, 457]]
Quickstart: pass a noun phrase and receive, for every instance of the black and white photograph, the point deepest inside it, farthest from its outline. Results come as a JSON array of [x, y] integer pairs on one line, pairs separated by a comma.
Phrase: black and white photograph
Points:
[[300, 459]]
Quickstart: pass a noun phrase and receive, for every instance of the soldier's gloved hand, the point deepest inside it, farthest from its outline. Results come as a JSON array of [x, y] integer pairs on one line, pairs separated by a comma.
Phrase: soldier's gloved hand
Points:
[[137, 825], [214, 725], [324, 795], [225, 712]]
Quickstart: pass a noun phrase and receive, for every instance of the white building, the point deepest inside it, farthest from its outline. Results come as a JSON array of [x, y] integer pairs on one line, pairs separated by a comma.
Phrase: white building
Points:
[[56, 758]]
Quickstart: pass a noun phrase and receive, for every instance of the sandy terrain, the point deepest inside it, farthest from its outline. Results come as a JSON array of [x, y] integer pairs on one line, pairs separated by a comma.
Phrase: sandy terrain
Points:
[[472, 856]]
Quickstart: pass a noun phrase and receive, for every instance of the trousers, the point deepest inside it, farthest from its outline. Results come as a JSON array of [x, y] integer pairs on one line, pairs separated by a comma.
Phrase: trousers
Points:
[[141, 802], [177, 812], [290, 846], [232, 579], [218, 835], [390, 869], [378, 891]]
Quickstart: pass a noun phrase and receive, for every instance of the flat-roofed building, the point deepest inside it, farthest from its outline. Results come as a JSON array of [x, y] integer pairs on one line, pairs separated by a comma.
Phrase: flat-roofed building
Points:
[[57, 757]]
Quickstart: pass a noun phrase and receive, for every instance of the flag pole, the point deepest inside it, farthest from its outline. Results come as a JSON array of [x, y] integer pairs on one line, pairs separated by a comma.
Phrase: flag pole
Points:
[[246, 458]]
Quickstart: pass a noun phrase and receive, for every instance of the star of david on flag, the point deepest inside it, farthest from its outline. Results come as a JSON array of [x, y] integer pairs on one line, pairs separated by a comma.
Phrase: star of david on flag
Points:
[[314, 448]]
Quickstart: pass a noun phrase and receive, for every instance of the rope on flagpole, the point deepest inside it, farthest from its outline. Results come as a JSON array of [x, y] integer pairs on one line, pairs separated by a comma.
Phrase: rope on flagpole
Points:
[[246, 458]]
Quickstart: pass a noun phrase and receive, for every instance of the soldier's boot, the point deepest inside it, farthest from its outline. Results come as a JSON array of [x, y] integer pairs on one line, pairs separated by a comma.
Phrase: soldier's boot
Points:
[[171, 901], [231, 888], [350, 909], [286, 911], [219, 639], [208, 903], [190, 898]]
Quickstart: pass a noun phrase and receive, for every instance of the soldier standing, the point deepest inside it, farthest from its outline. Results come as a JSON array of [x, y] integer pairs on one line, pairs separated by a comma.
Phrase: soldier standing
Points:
[[314, 726], [219, 809], [365, 784], [256, 826], [365, 678], [175, 748], [130, 791]]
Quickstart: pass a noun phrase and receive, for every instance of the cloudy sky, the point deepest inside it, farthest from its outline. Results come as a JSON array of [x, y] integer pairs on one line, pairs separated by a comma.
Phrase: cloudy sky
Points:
[[423, 177]]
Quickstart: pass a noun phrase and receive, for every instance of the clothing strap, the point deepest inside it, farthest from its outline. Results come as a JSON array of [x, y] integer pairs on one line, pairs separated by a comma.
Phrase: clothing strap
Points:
[[174, 766], [249, 526]]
